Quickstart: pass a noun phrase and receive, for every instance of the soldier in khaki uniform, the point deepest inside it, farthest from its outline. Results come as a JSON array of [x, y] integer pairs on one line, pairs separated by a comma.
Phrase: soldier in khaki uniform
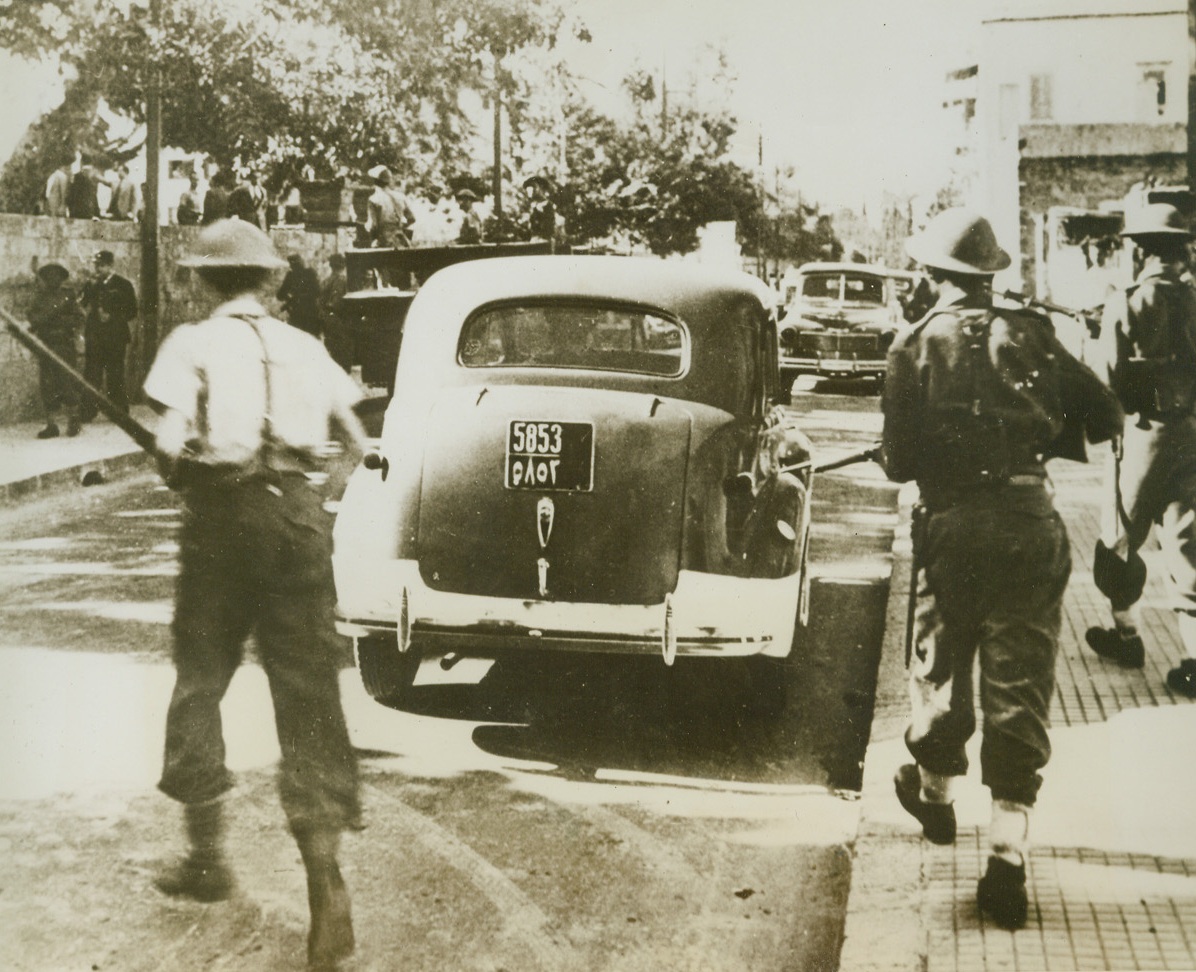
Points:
[[1148, 346], [247, 403], [975, 398]]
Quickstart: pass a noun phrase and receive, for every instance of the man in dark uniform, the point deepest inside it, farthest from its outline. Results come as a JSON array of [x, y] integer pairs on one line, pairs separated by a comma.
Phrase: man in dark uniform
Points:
[[111, 303], [541, 213], [1148, 346], [55, 318], [247, 404], [975, 398]]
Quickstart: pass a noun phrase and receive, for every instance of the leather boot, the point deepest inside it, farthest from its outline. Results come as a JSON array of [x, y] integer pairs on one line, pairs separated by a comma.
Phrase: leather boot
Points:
[[331, 936], [203, 874]]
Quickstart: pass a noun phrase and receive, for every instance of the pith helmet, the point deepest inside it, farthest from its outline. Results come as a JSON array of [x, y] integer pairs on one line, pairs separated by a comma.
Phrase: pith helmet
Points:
[[961, 241], [53, 273], [1157, 219], [233, 243], [467, 194]]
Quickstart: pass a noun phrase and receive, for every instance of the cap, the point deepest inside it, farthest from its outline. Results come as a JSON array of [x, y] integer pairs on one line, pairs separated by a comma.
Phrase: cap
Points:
[[53, 273], [233, 243], [1156, 219], [105, 258], [960, 241]]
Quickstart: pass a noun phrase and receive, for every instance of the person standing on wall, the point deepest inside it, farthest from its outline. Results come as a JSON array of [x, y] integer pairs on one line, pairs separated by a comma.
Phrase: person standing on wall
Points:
[[1148, 349], [247, 404], [110, 303], [975, 398], [123, 204]]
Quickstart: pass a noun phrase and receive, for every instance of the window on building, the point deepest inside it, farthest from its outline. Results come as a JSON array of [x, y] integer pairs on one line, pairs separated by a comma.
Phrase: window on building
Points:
[[1041, 108], [1152, 91]]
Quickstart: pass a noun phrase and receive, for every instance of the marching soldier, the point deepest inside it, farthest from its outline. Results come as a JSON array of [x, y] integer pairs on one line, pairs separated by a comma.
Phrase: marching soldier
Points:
[[1148, 345], [246, 402], [975, 398]]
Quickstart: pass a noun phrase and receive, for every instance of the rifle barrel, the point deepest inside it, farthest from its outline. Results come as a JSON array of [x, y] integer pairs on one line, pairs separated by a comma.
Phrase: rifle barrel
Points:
[[135, 430]]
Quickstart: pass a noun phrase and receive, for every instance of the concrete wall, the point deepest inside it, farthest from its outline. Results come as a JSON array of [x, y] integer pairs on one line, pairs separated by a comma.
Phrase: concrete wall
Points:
[[28, 242]]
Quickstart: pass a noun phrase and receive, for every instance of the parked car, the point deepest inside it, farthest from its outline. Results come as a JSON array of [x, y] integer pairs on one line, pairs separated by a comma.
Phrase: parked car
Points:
[[582, 454], [840, 322]]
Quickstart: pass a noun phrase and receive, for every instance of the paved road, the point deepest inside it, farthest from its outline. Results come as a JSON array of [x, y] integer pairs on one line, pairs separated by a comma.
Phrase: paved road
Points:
[[574, 816]]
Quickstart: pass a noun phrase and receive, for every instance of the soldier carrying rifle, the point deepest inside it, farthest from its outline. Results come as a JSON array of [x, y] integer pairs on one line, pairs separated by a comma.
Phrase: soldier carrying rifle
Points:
[[1148, 346], [975, 399]]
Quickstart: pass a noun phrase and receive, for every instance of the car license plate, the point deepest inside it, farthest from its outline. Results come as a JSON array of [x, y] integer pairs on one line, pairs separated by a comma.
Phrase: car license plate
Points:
[[550, 455]]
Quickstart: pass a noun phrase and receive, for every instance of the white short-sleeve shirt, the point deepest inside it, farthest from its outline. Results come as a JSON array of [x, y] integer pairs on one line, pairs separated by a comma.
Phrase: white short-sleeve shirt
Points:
[[213, 373]]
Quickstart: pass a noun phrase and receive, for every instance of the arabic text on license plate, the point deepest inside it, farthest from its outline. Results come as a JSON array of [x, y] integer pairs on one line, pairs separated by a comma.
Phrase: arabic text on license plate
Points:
[[550, 455]]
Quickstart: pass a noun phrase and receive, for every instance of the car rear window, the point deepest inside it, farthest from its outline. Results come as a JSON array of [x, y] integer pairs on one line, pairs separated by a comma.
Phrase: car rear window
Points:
[[574, 335], [858, 287]]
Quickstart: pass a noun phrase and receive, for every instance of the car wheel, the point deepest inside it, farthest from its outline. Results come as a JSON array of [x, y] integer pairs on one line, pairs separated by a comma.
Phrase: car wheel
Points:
[[767, 690], [386, 672]]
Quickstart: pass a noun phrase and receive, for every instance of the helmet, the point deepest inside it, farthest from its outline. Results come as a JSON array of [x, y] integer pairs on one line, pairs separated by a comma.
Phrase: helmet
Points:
[[961, 241], [233, 243], [53, 273], [1156, 219]]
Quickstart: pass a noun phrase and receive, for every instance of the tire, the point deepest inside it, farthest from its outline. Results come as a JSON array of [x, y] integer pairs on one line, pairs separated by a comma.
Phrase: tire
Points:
[[386, 673]]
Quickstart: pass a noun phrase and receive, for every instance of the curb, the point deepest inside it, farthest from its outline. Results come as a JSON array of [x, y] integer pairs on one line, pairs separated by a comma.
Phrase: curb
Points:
[[59, 479], [884, 930]]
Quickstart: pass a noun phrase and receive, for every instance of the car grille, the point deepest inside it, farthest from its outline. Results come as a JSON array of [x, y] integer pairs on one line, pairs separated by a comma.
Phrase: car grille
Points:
[[860, 344]]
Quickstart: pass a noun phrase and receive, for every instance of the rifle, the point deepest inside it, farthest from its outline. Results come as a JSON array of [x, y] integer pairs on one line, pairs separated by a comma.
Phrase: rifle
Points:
[[1091, 317], [871, 454], [134, 429]]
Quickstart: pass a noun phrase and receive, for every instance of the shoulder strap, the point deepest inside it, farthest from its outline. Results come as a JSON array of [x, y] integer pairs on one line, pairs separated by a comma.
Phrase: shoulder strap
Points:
[[269, 441]]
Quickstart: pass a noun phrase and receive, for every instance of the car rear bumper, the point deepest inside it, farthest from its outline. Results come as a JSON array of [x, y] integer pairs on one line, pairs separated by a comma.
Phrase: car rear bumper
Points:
[[707, 614]]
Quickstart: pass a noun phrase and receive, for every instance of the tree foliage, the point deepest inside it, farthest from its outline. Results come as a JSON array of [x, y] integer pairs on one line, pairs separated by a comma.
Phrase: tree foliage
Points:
[[292, 84], [656, 180]]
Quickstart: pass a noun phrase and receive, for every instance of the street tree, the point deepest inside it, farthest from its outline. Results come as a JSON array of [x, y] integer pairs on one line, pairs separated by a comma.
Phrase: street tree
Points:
[[291, 85]]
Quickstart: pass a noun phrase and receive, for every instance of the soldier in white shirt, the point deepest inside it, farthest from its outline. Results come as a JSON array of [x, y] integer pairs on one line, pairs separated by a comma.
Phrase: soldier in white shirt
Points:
[[246, 402]]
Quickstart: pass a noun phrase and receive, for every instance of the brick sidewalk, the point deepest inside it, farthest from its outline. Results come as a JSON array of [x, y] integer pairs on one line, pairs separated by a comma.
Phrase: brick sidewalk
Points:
[[1113, 869]]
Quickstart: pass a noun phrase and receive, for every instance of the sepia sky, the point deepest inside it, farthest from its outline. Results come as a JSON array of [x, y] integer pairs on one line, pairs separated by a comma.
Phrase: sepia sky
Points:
[[847, 91]]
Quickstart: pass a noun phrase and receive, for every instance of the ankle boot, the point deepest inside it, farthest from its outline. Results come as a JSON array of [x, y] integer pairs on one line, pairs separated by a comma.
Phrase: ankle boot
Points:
[[331, 936], [203, 874]]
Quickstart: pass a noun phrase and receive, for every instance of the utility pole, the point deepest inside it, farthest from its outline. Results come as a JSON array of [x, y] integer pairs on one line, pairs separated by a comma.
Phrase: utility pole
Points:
[[496, 179], [150, 312]]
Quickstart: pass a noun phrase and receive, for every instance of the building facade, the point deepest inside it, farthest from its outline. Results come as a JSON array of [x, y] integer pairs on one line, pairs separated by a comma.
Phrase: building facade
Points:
[[1077, 103]]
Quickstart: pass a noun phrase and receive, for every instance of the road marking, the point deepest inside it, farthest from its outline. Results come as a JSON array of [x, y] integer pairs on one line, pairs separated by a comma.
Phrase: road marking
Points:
[[522, 916]]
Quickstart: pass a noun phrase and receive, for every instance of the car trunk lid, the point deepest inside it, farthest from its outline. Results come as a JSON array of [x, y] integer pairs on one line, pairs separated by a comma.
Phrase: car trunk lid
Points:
[[518, 502]]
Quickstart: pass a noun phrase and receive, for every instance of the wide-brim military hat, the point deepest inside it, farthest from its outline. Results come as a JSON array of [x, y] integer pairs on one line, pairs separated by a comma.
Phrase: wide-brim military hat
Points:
[[1156, 219], [467, 194], [53, 273], [233, 243], [538, 180], [960, 241]]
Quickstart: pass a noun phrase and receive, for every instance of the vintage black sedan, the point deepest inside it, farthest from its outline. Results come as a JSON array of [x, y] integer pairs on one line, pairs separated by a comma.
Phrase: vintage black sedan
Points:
[[582, 454]]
